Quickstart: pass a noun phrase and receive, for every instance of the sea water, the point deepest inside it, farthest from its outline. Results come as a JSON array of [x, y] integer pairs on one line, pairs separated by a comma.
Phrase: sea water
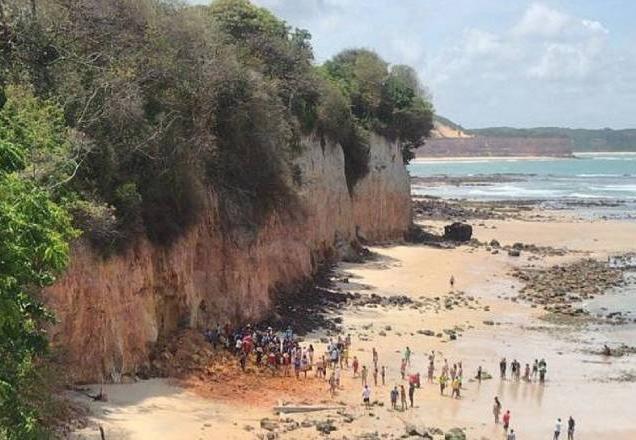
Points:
[[596, 184], [595, 179]]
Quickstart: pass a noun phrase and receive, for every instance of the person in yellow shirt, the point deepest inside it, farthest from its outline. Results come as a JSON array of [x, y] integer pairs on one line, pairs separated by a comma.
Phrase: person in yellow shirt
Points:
[[443, 379]]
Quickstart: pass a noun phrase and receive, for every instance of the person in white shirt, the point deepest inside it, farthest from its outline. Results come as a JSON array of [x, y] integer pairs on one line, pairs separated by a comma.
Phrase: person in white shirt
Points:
[[557, 429], [511, 435], [366, 396]]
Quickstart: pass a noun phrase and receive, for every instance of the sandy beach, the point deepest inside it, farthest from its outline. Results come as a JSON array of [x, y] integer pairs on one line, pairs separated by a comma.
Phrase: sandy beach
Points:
[[488, 325]]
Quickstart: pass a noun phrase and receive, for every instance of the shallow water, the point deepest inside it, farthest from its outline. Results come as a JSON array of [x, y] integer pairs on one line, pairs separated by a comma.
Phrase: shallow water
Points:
[[608, 177]]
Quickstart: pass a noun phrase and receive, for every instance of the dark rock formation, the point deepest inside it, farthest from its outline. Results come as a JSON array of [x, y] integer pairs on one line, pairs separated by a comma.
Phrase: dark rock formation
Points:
[[458, 232]]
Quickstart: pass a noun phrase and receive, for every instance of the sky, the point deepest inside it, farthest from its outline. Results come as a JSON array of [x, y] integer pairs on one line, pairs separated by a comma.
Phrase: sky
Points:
[[569, 63]]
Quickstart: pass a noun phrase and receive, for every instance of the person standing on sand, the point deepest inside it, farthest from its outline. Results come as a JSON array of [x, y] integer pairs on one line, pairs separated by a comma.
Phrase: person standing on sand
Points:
[[304, 365], [243, 360], [332, 384], [407, 355], [337, 373], [511, 435], [571, 424], [297, 366], [375, 376], [366, 396], [442, 383], [403, 398], [383, 374], [356, 365], [496, 410], [557, 429], [394, 397], [502, 368], [478, 376], [271, 362], [542, 370], [310, 352], [345, 355], [506, 420], [375, 358], [411, 393], [318, 368], [452, 282], [431, 371], [364, 375], [455, 388], [535, 369]]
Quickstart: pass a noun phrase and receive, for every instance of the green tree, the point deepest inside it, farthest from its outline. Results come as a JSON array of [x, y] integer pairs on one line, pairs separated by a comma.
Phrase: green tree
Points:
[[386, 99], [34, 247]]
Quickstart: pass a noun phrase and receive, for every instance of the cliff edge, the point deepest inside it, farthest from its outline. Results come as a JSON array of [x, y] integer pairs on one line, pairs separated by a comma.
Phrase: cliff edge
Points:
[[111, 311]]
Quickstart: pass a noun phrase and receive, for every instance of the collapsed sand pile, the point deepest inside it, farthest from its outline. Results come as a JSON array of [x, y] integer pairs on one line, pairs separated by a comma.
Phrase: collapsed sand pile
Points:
[[190, 359]]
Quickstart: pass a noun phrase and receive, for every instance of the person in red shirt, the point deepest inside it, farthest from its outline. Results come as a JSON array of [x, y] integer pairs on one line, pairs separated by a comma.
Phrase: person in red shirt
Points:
[[506, 420], [271, 361]]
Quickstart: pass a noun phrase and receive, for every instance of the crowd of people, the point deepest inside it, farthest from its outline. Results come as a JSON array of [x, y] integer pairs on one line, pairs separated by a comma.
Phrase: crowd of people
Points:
[[283, 355], [539, 369]]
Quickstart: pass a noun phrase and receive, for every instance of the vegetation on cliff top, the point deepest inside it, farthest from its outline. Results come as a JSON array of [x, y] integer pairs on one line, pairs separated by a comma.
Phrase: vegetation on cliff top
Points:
[[172, 100], [119, 117]]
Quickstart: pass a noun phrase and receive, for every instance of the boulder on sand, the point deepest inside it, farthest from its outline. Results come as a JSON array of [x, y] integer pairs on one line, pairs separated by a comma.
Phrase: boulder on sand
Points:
[[455, 434], [458, 232]]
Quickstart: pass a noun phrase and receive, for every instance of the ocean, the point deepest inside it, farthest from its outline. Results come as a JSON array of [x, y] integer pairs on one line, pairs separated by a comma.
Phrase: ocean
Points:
[[603, 182]]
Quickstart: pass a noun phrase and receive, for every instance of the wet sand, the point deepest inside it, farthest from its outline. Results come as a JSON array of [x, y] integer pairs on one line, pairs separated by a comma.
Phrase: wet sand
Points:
[[156, 410]]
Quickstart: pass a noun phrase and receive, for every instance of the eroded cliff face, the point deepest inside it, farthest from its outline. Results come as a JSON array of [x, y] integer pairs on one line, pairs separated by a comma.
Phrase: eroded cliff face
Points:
[[111, 311]]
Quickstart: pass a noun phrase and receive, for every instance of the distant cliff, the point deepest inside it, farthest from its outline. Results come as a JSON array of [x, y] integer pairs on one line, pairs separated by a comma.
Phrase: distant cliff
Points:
[[581, 139], [111, 311], [495, 146]]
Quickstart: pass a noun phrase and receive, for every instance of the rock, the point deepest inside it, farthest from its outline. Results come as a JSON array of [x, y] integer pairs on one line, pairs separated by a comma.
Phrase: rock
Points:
[[461, 232], [268, 424], [489, 322], [426, 332], [518, 246], [387, 328], [494, 243], [271, 436], [514, 253], [455, 434], [420, 432], [411, 429], [325, 427]]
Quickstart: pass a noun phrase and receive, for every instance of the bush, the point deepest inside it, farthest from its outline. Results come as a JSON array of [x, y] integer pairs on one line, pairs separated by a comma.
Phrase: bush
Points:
[[390, 102]]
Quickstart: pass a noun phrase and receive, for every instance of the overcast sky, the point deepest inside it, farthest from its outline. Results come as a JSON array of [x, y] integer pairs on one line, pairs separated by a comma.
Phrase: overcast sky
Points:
[[494, 62]]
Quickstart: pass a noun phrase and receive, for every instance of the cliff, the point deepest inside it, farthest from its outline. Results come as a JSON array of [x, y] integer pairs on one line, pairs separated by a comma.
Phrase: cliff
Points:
[[111, 311], [495, 146]]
